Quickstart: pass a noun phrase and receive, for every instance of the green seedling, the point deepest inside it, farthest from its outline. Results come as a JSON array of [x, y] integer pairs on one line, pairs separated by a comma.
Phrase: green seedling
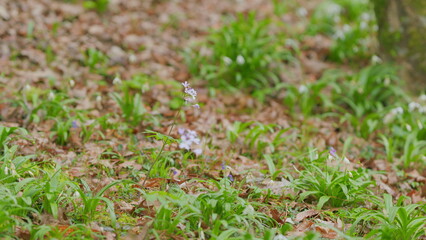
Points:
[[328, 185], [133, 110], [90, 201], [98, 5], [395, 222], [96, 60], [61, 130]]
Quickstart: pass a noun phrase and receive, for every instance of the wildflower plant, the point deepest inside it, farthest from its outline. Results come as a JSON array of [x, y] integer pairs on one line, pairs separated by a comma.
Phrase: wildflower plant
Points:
[[188, 137], [351, 25], [326, 181], [394, 221], [130, 103], [241, 55]]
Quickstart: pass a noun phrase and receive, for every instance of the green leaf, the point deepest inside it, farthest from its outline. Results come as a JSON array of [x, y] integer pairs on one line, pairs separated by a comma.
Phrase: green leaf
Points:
[[322, 201]]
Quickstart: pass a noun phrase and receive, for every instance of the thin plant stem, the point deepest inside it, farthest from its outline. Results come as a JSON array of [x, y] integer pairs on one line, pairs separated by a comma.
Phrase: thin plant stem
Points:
[[161, 150]]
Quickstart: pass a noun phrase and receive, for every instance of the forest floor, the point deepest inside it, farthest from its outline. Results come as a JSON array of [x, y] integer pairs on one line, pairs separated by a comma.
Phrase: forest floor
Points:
[[300, 132]]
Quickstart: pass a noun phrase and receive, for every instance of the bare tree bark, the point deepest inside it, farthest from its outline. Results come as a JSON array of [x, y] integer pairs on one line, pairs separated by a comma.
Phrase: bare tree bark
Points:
[[402, 37]]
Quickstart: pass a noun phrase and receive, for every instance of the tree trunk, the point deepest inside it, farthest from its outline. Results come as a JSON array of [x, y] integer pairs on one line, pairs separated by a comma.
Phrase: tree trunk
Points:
[[402, 37]]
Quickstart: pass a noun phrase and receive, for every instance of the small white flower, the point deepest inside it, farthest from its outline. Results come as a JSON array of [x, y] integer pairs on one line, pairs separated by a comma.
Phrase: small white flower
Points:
[[408, 126], [412, 106], [302, 89], [240, 60], [339, 35], [72, 83], [117, 80], [76, 194], [280, 237], [227, 60], [289, 220], [51, 96], [392, 114], [422, 97], [363, 25], [346, 160], [132, 58], [346, 28], [366, 17], [397, 111], [387, 81], [99, 98], [336, 19], [27, 87], [289, 42], [375, 59], [334, 9], [302, 12]]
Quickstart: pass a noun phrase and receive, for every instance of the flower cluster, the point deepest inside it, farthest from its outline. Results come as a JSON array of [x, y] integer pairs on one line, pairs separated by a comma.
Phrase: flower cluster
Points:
[[240, 60], [392, 114], [189, 138], [191, 95], [415, 106]]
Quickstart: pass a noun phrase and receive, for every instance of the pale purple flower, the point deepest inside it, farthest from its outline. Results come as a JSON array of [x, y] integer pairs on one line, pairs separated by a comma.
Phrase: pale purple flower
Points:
[[333, 152], [185, 84], [181, 131], [231, 178], [74, 124], [198, 151], [189, 138], [191, 94]]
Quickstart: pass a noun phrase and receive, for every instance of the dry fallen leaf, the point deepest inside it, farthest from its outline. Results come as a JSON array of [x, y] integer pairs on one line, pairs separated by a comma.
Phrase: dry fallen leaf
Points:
[[305, 214]]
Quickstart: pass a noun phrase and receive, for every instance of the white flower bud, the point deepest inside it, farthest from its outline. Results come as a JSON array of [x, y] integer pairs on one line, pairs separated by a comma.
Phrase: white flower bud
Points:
[[116, 81], [51, 96], [227, 60], [240, 60], [302, 89]]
